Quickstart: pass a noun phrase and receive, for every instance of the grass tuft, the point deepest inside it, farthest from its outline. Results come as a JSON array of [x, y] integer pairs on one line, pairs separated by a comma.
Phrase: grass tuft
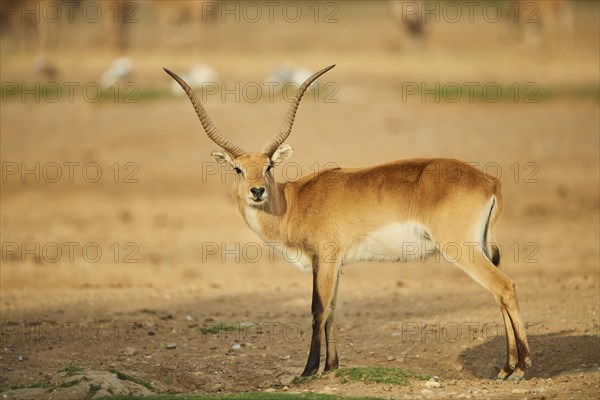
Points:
[[221, 327], [72, 370], [393, 376], [94, 388], [125, 377]]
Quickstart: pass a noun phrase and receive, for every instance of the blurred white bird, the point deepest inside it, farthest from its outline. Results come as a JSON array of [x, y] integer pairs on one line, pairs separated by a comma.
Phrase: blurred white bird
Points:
[[119, 69], [286, 74], [197, 76], [42, 66], [281, 76]]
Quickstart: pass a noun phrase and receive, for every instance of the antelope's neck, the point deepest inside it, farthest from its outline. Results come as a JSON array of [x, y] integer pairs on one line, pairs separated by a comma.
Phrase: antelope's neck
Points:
[[266, 220]]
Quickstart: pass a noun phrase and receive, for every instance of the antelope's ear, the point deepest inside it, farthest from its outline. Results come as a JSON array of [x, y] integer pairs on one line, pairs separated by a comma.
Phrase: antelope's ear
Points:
[[282, 153], [222, 157]]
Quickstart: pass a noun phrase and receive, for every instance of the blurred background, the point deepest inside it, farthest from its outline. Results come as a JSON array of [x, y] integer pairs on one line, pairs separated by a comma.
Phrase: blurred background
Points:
[[101, 153], [82, 82]]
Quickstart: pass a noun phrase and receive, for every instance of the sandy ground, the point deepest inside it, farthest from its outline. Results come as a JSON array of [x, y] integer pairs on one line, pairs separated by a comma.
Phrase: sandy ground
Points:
[[176, 257]]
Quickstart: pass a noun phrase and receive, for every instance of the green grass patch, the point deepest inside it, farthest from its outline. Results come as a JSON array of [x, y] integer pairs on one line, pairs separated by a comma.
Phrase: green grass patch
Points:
[[93, 388], [244, 396], [214, 329], [394, 376], [32, 386], [72, 370], [125, 377], [310, 378]]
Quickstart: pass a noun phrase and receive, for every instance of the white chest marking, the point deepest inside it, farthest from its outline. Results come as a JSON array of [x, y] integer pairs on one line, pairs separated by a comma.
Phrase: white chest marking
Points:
[[253, 223], [294, 255], [290, 253], [393, 242]]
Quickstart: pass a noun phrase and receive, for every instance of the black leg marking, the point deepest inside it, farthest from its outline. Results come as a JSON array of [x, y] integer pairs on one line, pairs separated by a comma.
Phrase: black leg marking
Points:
[[312, 364]]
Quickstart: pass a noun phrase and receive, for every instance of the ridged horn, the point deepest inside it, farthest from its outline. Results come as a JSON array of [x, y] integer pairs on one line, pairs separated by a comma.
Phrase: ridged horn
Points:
[[207, 124], [272, 145]]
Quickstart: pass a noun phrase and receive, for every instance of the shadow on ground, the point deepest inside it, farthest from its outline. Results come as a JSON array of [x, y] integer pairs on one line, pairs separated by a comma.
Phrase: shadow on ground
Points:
[[553, 354]]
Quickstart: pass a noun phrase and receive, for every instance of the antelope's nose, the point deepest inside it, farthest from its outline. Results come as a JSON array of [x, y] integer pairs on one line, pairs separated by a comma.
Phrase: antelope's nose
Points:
[[257, 191]]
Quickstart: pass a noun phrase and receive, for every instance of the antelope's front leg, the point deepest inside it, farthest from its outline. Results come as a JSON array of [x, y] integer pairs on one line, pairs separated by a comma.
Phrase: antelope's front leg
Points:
[[331, 360], [324, 282]]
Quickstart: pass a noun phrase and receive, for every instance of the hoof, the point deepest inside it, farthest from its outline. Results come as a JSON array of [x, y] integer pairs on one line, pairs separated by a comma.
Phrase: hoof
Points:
[[516, 376]]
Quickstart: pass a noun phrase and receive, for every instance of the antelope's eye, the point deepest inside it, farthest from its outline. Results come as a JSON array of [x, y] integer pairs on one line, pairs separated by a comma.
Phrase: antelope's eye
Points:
[[237, 170], [270, 167]]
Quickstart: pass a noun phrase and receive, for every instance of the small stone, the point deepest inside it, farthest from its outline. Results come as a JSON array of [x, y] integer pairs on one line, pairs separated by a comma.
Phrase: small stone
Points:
[[432, 383], [151, 333], [21, 358], [235, 346], [172, 345], [391, 358], [128, 351], [287, 380]]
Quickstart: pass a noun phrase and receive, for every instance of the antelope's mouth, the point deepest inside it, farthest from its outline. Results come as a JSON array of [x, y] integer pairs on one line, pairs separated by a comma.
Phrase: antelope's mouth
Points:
[[258, 200]]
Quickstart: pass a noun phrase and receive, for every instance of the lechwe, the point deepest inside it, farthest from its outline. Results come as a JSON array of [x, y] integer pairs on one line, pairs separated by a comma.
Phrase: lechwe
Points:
[[392, 212]]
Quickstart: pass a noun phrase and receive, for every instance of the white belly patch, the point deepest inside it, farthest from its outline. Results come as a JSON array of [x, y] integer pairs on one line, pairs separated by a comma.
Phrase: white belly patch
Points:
[[395, 242]]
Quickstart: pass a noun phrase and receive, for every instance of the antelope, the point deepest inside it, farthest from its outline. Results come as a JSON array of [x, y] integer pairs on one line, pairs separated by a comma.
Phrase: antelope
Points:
[[370, 214]]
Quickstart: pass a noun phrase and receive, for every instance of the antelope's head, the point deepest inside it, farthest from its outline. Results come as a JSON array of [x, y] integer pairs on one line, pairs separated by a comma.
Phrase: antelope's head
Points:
[[254, 182]]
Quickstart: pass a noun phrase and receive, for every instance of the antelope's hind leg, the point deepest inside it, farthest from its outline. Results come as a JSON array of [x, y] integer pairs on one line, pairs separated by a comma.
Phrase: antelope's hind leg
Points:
[[484, 272], [331, 360]]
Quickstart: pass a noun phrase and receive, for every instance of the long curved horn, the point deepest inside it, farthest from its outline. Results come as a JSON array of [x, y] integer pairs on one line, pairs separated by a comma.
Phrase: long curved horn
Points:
[[272, 145], [207, 124]]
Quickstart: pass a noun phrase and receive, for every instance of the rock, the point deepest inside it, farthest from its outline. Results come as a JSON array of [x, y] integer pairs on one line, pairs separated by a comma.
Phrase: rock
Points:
[[236, 346], [171, 345], [287, 380], [78, 386], [432, 383], [391, 358], [128, 351]]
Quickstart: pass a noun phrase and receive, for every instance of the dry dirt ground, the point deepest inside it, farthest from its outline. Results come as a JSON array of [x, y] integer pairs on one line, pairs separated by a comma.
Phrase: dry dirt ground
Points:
[[176, 258]]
